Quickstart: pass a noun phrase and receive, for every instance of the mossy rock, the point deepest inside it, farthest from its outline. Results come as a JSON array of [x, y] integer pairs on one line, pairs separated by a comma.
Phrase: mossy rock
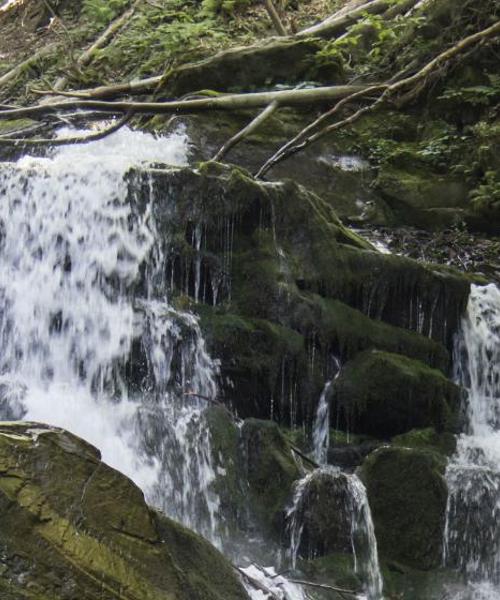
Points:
[[407, 493], [422, 198], [271, 471], [247, 68], [427, 439], [73, 527], [325, 515], [335, 569], [228, 459], [278, 277], [384, 394]]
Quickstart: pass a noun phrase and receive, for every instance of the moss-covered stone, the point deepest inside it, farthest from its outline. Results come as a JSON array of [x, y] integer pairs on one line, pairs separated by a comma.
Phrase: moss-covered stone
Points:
[[271, 471], [422, 198], [384, 394], [73, 527], [228, 458], [325, 514], [407, 495], [278, 279], [427, 439], [250, 67]]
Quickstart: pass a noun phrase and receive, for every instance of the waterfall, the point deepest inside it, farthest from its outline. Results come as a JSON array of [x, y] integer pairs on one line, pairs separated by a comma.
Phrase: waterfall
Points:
[[472, 535], [321, 429], [74, 308], [355, 512]]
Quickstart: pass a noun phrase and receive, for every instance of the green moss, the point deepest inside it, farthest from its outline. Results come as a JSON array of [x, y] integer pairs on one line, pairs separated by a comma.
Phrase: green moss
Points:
[[271, 471], [336, 569], [444, 443], [407, 494], [228, 457], [383, 394], [76, 527]]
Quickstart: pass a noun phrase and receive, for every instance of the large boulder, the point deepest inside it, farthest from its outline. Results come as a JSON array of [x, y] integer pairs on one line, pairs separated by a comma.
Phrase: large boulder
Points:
[[384, 394], [407, 493], [73, 527], [277, 278], [324, 513]]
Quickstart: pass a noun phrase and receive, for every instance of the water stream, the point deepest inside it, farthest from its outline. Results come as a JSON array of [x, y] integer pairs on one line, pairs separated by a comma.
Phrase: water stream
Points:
[[472, 539], [73, 307]]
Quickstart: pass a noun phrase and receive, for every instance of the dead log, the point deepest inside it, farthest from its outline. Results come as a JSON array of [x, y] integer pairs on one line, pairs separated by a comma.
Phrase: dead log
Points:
[[297, 97]]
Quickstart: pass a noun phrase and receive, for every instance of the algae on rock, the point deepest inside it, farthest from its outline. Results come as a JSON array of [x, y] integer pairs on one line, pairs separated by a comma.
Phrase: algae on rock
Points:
[[71, 526]]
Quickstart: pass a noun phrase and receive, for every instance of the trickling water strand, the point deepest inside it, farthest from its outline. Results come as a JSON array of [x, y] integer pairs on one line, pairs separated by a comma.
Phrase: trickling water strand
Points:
[[356, 511], [71, 253], [321, 429], [364, 542], [472, 535]]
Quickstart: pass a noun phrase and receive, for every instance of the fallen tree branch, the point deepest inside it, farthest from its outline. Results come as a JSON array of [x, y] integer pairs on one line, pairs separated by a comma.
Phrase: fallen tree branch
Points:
[[342, 592], [18, 69], [337, 24], [274, 16], [107, 91], [93, 137], [390, 90], [299, 97], [246, 131], [303, 456], [87, 56], [276, 157]]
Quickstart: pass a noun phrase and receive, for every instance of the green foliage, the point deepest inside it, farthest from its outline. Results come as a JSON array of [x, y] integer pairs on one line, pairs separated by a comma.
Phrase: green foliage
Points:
[[211, 7], [487, 194], [476, 95], [101, 12]]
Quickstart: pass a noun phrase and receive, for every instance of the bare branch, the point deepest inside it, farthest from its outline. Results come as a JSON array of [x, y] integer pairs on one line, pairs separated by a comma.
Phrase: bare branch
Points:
[[99, 135], [296, 97], [87, 56], [246, 131], [418, 80], [274, 16]]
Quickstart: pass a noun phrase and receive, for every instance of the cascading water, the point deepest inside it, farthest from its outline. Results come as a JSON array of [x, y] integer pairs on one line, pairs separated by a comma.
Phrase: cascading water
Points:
[[356, 507], [355, 511], [321, 429], [71, 255], [472, 537]]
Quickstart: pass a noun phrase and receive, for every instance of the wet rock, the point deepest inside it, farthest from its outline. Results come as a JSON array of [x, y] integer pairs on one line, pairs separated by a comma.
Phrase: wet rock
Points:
[[271, 471], [408, 495], [325, 514], [278, 61], [72, 527], [349, 456], [276, 278], [383, 394]]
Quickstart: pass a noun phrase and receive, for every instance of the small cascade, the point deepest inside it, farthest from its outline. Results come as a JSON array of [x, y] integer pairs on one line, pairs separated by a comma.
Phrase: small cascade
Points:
[[472, 536], [74, 307], [321, 428], [349, 502]]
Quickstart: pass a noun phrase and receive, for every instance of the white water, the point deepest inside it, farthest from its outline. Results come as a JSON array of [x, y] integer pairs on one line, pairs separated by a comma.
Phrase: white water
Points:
[[472, 540], [71, 253], [321, 428], [356, 511], [264, 583]]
